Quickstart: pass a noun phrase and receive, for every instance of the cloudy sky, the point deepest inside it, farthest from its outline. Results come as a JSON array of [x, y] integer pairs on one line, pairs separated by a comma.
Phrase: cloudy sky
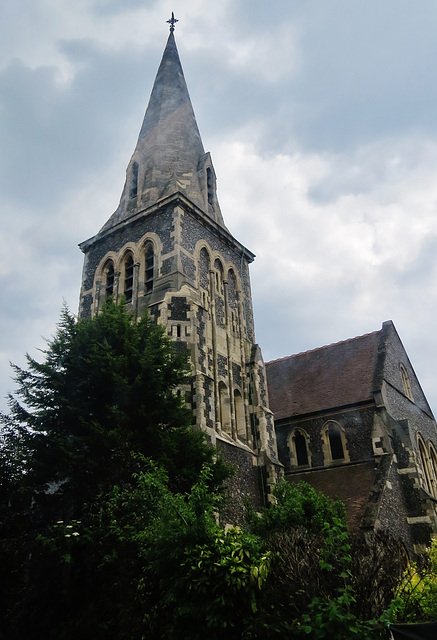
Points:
[[321, 120]]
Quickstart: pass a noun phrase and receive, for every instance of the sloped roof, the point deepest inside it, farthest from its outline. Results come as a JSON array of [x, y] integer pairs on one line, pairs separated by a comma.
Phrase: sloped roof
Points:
[[333, 376]]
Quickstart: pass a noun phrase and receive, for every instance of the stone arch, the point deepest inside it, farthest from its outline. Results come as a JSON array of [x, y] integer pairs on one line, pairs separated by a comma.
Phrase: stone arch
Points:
[[298, 444], [102, 286], [154, 240], [334, 443]]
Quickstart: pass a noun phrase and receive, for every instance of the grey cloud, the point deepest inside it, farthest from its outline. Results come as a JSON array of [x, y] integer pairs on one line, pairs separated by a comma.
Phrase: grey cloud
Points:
[[54, 136], [114, 7]]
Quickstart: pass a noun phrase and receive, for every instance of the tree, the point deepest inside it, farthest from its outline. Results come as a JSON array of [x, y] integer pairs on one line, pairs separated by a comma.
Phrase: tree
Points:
[[107, 387], [108, 514], [105, 396]]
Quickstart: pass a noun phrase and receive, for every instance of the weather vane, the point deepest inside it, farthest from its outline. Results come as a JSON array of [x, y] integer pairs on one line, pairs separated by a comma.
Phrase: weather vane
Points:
[[172, 22]]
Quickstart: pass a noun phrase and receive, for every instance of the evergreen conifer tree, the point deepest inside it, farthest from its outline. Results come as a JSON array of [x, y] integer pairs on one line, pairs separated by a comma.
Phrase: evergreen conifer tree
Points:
[[106, 396]]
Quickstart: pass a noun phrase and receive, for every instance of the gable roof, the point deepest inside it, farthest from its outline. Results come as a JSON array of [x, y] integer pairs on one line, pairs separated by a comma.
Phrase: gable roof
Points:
[[336, 375]]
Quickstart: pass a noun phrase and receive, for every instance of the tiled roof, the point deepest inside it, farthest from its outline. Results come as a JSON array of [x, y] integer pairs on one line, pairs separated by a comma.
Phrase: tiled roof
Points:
[[333, 376]]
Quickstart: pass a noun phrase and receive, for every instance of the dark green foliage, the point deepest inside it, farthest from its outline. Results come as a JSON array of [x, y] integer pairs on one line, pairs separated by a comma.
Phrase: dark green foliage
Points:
[[108, 515], [322, 583], [297, 505], [106, 387], [200, 581], [82, 420]]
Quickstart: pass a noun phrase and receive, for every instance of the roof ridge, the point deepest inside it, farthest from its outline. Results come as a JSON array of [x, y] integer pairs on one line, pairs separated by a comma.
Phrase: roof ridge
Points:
[[332, 344]]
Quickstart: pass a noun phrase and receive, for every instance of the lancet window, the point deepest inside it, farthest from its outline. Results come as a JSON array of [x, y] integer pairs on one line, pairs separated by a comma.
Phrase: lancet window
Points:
[[300, 448], [218, 276], [150, 267], [240, 417], [406, 382], [109, 279], [128, 277], [334, 442]]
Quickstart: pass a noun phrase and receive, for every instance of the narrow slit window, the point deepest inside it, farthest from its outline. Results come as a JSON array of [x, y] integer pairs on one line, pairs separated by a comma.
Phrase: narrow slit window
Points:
[[210, 186], [150, 261], [134, 183], [128, 278]]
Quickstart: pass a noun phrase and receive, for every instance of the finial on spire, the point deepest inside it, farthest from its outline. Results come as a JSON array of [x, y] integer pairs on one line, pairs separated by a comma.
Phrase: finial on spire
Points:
[[172, 22]]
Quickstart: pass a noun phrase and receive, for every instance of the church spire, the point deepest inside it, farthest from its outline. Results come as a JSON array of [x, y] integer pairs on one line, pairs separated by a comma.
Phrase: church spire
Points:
[[169, 155]]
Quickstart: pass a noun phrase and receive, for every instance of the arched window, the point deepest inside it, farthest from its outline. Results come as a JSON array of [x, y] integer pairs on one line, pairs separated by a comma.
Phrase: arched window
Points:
[[204, 268], [425, 465], [232, 289], [109, 279], [334, 442], [218, 276], [150, 266], [225, 408], [240, 417], [433, 461], [299, 448], [128, 277], [406, 382]]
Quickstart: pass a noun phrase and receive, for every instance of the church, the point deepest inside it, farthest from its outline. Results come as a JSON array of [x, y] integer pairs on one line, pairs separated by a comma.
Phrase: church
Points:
[[350, 418]]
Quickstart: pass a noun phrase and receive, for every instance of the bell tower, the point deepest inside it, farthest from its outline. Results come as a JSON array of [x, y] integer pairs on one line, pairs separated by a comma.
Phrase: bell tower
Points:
[[167, 251]]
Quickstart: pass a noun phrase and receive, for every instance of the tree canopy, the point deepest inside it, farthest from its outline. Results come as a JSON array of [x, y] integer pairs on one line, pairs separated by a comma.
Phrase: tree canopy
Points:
[[107, 388]]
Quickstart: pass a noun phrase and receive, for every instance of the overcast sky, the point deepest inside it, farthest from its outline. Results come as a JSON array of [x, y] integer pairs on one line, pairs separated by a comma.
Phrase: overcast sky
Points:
[[321, 120]]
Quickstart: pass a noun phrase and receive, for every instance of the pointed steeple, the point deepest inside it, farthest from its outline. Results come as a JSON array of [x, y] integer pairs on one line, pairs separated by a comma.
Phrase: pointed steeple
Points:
[[169, 156]]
